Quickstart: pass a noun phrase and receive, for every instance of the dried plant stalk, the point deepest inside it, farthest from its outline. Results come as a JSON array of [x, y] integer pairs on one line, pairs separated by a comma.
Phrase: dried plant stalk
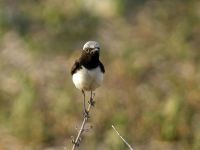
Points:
[[77, 141], [131, 148]]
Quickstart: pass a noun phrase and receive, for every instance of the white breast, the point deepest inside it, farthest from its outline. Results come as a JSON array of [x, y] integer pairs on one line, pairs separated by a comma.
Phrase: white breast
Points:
[[88, 80]]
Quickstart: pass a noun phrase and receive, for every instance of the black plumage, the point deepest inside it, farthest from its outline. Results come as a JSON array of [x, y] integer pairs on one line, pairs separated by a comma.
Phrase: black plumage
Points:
[[89, 61]]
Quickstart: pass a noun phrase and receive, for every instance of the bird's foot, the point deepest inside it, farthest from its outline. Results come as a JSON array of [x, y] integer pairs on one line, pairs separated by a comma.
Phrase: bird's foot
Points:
[[86, 113], [91, 102]]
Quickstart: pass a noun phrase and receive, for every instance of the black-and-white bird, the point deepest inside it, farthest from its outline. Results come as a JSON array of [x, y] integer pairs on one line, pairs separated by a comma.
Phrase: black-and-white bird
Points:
[[88, 71]]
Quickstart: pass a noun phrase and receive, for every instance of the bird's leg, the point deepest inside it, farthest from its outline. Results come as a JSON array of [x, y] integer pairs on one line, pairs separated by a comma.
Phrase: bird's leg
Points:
[[92, 102], [85, 113]]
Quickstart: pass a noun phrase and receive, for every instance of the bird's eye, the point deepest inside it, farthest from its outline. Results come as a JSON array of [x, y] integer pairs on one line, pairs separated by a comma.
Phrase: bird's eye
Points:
[[88, 50]]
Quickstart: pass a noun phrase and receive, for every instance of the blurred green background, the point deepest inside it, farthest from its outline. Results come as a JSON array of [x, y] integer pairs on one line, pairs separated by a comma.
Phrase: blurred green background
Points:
[[151, 91]]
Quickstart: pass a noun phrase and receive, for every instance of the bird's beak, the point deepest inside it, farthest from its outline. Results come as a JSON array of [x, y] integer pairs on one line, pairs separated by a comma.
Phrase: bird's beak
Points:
[[95, 50]]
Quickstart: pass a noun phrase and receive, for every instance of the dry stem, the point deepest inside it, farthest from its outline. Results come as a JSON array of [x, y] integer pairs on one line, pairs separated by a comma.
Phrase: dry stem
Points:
[[122, 138], [78, 138]]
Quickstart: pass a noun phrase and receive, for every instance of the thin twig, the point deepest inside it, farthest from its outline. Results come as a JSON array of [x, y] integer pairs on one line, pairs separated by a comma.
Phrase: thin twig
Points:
[[131, 148], [78, 138]]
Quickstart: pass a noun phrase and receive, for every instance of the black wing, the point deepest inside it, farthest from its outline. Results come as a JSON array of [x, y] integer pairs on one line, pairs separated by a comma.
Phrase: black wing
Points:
[[102, 67], [75, 67]]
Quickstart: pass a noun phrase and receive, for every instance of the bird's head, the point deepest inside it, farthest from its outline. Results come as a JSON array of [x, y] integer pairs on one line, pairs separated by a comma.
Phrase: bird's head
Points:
[[91, 48]]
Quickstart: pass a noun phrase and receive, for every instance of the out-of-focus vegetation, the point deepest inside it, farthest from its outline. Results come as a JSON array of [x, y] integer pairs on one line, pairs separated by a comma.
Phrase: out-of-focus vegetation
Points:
[[151, 92]]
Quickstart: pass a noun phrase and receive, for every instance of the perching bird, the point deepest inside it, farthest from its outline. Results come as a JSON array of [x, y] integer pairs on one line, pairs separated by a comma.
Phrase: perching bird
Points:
[[88, 71]]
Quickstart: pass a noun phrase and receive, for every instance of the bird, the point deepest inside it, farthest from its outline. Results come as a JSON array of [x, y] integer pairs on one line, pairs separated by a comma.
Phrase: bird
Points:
[[88, 71]]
